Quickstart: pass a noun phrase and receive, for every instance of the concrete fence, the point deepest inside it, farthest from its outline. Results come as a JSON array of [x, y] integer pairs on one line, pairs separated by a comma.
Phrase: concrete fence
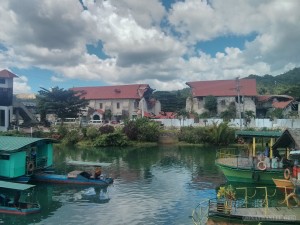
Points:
[[255, 123]]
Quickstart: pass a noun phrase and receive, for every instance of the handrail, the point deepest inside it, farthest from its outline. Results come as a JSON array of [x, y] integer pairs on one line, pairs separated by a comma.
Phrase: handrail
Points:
[[199, 219]]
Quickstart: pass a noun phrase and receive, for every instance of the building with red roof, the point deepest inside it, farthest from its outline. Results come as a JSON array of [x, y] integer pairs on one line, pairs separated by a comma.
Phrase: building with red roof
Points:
[[122, 101], [284, 102], [226, 93]]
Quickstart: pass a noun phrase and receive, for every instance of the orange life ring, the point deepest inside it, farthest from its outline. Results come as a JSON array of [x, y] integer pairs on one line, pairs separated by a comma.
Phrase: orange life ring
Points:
[[287, 174], [261, 165], [30, 166]]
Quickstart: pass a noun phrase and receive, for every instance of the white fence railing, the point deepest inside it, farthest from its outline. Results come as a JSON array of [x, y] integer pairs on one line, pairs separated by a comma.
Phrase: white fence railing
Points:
[[255, 123]]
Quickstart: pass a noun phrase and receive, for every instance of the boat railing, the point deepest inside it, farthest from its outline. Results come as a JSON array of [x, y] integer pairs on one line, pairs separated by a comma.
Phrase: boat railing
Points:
[[254, 197], [200, 213], [227, 153]]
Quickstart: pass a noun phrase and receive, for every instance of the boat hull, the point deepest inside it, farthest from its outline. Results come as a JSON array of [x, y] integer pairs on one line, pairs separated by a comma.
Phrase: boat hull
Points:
[[63, 179], [19, 211], [247, 175]]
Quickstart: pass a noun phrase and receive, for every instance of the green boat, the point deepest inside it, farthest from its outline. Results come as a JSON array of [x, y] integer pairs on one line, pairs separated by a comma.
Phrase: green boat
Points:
[[245, 165]]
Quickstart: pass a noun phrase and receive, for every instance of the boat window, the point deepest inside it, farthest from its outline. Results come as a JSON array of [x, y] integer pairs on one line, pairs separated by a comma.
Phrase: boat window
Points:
[[4, 157]]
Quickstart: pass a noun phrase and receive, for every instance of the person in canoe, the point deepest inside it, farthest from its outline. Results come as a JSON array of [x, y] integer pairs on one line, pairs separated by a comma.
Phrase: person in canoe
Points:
[[98, 172]]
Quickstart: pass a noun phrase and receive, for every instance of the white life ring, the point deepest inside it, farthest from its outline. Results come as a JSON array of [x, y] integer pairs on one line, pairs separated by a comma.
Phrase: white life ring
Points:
[[261, 165]]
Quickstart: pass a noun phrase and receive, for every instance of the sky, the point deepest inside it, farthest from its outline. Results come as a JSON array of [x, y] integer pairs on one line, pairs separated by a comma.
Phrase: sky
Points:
[[163, 43]]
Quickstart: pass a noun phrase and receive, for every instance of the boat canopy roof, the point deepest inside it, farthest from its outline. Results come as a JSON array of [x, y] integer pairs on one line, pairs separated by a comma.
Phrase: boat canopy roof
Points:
[[266, 134], [295, 154], [14, 144], [290, 138], [15, 186], [83, 163]]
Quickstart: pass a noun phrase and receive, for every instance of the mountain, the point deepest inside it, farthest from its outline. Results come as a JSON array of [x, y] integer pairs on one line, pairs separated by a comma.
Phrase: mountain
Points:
[[283, 84]]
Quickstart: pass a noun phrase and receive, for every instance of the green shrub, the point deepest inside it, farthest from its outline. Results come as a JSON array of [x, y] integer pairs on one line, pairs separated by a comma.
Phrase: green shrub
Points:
[[92, 133], [71, 138], [142, 129], [83, 131], [107, 129], [62, 131], [111, 139]]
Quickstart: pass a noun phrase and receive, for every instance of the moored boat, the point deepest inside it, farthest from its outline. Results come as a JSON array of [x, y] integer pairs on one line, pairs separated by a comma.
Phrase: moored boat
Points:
[[15, 205], [26, 155], [73, 177], [82, 177], [248, 166]]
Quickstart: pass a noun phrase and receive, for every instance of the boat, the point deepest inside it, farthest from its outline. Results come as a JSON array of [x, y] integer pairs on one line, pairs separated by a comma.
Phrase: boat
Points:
[[14, 205], [73, 177], [78, 176], [247, 166], [253, 205], [21, 157]]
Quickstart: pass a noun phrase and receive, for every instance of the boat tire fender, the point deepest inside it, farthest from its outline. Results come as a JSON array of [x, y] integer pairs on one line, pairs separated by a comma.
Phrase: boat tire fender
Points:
[[255, 176], [261, 165], [287, 174], [30, 166]]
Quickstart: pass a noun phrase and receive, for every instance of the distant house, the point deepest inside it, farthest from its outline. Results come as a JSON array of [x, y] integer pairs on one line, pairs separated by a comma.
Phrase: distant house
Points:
[[121, 101], [267, 102], [226, 92], [6, 99]]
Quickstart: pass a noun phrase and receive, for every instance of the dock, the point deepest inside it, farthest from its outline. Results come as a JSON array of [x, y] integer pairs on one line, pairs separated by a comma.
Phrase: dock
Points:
[[268, 214]]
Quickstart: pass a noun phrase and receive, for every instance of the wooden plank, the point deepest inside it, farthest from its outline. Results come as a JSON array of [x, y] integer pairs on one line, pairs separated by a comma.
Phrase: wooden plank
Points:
[[273, 213]]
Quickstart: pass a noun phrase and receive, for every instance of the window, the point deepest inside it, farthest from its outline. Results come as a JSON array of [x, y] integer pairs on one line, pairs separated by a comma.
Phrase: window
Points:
[[241, 99], [2, 118], [4, 157], [136, 104], [2, 81], [118, 105], [223, 103], [101, 105]]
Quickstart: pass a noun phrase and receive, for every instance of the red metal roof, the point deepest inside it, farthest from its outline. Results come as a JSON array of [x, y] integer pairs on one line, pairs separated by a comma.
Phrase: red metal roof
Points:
[[7, 74], [166, 115], [264, 98], [281, 105], [131, 91], [220, 88]]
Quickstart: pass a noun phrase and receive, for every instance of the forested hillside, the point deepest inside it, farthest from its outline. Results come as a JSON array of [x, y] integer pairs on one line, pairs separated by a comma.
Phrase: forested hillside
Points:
[[284, 84], [172, 101]]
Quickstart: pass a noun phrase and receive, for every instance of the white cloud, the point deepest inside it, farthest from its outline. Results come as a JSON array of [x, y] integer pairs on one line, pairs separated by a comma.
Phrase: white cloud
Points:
[[53, 34], [21, 85]]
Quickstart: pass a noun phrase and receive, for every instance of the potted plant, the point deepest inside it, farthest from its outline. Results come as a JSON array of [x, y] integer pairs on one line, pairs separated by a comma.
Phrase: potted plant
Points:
[[227, 195]]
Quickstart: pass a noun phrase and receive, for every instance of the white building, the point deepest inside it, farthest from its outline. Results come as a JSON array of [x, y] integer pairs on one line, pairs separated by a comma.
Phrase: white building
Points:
[[6, 99], [122, 101]]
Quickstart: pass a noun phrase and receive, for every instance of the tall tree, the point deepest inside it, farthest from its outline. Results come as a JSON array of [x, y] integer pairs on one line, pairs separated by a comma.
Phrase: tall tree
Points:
[[211, 104], [63, 103]]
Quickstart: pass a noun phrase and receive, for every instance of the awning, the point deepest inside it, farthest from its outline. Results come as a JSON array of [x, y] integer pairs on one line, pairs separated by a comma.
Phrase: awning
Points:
[[13, 144], [15, 186]]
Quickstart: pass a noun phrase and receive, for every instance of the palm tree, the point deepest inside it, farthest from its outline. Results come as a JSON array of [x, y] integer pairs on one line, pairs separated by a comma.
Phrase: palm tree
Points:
[[249, 114]]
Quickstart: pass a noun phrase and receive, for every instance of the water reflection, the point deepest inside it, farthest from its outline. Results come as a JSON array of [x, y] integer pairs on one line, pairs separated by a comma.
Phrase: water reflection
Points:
[[156, 185]]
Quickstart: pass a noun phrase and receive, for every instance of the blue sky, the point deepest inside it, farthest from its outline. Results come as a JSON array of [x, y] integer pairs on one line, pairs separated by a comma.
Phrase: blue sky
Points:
[[164, 43]]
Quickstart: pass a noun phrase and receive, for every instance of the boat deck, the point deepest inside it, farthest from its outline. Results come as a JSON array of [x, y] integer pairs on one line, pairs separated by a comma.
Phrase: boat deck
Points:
[[272, 213]]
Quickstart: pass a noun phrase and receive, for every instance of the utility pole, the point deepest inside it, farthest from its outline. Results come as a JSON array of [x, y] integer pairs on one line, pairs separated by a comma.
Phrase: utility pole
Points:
[[237, 83]]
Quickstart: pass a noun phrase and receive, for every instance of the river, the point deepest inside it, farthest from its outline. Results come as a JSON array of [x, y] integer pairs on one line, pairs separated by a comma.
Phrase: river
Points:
[[153, 185]]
